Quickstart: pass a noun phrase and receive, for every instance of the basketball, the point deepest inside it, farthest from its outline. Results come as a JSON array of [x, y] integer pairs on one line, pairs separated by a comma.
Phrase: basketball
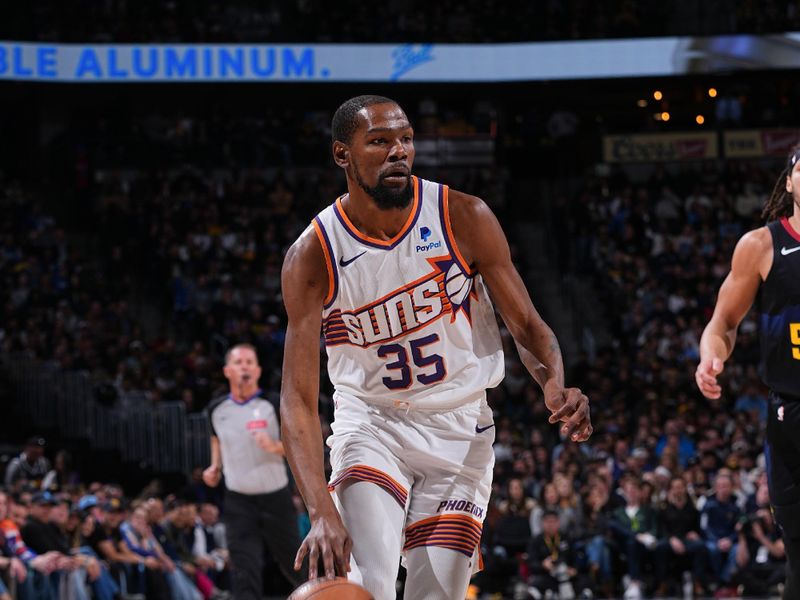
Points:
[[457, 285], [338, 588]]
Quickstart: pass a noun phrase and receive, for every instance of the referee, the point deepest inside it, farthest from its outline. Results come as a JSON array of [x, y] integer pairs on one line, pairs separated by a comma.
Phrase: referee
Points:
[[258, 506]]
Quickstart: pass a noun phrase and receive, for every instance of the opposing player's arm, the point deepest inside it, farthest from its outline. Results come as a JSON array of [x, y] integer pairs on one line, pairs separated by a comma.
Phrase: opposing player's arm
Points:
[[304, 282], [483, 244], [751, 262]]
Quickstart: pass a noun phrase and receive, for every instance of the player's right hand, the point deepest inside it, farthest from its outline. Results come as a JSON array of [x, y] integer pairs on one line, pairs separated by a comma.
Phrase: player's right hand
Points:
[[212, 475], [329, 540], [706, 377]]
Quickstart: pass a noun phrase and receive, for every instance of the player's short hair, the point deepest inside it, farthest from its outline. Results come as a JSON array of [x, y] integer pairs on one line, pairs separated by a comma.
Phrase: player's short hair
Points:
[[243, 347], [345, 119]]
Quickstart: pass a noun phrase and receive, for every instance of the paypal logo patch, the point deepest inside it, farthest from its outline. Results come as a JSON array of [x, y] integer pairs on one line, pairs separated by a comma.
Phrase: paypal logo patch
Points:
[[429, 246], [424, 233]]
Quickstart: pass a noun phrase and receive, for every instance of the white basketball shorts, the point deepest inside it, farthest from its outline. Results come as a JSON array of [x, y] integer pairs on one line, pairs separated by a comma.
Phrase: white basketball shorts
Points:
[[437, 465]]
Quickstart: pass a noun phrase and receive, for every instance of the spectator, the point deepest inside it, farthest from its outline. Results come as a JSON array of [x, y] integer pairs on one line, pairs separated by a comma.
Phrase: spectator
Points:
[[140, 548], [11, 566], [100, 581], [718, 524], [548, 501], [634, 529], [30, 467], [760, 554], [570, 509], [553, 563], [595, 531], [211, 545], [680, 540], [512, 527], [40, 567], [101, 534], [752, 401], [43, 538], [62, 475], [179, 534]]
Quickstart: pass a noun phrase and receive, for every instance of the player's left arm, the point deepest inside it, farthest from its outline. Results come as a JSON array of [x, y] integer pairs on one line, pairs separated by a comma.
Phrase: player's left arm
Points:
[[484, 246]]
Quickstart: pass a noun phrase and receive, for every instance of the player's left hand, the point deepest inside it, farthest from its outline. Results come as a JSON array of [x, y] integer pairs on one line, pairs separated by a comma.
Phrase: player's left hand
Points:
[[571, 406]]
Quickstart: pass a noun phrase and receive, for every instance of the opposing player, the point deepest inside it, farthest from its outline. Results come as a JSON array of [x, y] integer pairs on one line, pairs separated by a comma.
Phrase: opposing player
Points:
[[769, 258], [396, 274]]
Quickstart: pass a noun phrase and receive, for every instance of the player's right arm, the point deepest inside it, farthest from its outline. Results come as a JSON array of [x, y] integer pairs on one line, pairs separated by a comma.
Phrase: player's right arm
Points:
[[751, 262], [304, 282]]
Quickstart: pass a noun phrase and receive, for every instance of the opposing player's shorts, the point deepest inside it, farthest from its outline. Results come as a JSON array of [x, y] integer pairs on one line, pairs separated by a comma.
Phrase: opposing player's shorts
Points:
[[783, 462], [437, 465]]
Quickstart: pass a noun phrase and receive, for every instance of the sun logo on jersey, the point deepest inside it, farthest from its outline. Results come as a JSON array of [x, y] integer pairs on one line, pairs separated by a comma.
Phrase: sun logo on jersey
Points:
[[446, 290]]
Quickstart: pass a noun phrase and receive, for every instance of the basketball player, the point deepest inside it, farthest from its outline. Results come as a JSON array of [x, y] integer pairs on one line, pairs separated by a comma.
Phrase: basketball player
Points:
[[769, 258], [396, 273]]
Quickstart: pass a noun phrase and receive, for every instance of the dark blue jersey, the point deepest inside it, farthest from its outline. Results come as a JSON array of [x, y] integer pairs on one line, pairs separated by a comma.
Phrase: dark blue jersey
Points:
[[780, 313]]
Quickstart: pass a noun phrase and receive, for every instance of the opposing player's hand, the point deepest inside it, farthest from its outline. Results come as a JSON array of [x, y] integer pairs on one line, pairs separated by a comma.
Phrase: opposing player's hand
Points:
[[571, 406], [329, 540], [706, 377], [212, 475]]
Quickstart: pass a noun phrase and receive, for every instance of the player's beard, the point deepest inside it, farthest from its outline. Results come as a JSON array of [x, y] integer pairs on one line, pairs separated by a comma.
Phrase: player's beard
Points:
[[384, 196]]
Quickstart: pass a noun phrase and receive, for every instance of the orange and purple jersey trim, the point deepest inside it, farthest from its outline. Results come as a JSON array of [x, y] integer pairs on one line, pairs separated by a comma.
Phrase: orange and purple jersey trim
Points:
[[461, 533], [373, 475]]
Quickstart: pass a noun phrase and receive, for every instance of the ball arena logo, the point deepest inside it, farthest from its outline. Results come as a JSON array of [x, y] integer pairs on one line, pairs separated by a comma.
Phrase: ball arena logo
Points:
[[443, 291]]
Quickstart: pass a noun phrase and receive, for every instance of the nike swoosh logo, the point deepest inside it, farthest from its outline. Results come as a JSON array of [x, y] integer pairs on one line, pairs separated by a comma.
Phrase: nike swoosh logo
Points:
[[344, 263], [786, 252], [479, 429]]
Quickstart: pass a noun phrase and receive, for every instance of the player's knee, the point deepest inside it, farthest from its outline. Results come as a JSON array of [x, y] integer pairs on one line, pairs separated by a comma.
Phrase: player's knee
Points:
[[437, 572]]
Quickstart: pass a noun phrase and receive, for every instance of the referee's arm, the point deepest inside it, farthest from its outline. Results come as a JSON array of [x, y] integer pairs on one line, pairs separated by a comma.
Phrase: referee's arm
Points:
[[266, 443], [213, 473]]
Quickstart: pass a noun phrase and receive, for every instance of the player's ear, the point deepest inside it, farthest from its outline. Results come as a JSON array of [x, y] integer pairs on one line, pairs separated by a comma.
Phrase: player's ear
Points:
[[789, 183], [341, 154]]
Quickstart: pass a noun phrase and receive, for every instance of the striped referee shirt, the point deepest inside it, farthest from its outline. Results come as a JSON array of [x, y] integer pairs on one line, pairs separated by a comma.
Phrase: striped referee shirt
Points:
[[248, 468]]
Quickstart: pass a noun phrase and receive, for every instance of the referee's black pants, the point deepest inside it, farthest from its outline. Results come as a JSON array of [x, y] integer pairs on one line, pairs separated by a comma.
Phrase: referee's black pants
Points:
[[253, 522], [783, 471]]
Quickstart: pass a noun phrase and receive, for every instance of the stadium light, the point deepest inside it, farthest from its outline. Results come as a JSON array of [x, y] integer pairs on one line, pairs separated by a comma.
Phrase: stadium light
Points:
[[699, 119], [665, 116], [658, 95], [641, 103], [712, 92]]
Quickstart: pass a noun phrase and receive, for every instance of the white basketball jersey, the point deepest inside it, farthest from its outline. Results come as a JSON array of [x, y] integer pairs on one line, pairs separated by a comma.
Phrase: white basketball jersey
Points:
[[406, 322]]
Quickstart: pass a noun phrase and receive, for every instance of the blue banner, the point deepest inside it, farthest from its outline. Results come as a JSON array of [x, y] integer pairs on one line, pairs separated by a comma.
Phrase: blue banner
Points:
[[141, 63]]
